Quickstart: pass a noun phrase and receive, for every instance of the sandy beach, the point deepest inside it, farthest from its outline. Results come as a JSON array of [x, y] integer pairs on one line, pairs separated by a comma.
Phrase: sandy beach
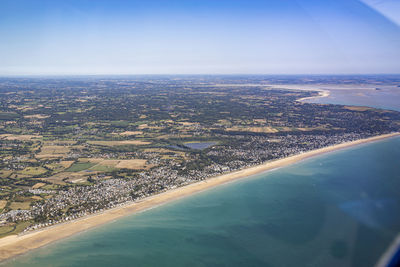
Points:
[[11, 246]]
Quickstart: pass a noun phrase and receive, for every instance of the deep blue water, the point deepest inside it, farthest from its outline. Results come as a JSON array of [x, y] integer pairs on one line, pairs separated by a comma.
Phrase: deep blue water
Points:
[[339, 209]]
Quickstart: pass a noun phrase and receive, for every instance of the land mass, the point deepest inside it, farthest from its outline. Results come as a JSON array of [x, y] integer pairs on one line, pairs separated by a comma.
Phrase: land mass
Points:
[[14, 245], [74, 147]]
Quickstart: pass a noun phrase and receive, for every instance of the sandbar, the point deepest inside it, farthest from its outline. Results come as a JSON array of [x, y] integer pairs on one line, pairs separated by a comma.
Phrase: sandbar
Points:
[[321, 93]]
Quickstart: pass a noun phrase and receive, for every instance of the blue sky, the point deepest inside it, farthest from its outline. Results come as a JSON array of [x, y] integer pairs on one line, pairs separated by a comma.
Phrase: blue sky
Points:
[[199, 36]]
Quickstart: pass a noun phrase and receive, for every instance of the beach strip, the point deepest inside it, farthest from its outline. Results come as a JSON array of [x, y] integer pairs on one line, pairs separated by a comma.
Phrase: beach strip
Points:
[[321, 93], [12, 246]]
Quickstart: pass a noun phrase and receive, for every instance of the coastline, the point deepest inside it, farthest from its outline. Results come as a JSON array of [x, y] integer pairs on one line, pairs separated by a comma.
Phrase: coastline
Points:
[[12, 246], [321, 93]]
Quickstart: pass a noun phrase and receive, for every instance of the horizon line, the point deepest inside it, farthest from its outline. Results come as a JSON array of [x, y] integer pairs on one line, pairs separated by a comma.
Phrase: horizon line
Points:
[[195, 74]]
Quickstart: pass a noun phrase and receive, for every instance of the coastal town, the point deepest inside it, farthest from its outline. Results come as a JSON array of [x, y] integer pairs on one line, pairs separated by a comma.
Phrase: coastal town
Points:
[[71, 148]]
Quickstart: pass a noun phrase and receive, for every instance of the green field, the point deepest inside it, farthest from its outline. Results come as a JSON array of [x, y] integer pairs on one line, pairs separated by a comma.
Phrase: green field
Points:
[[80, 166], [31, 171], [102, 168], [13, 229], [8, 115]]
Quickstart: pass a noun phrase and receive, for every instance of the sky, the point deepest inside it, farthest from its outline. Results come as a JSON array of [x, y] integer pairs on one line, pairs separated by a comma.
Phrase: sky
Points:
[[199, 37]]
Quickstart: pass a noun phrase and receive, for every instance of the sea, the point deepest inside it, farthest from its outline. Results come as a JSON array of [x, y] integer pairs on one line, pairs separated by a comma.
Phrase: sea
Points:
[[337, 209]]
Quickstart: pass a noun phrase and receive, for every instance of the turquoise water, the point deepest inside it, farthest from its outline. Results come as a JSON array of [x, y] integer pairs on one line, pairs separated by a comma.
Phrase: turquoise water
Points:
[[339, 209]]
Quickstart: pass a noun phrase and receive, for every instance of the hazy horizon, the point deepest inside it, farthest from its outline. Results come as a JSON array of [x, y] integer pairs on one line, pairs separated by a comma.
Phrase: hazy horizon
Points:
[[198, 74]]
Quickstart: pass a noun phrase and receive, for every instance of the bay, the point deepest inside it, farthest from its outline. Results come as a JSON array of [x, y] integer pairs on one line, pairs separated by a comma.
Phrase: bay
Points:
[[383, 98]]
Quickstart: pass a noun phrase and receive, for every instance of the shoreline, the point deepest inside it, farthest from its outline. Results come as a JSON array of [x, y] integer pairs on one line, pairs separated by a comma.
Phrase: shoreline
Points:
[[321, 94], [14, 245]]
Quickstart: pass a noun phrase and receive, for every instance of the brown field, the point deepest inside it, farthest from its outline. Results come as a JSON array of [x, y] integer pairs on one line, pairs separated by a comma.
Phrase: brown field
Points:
[[38, 185], [29, 160], [31, 171], [76, 180], [146, 126], [119, 143], [58, 178], [54, 166], [53, 151], [129, 133], [108, 162], [164, 151], [272, 140], [26, 108], [20, 205], [5, 173], [187, 123], [91, 160], [253, 129], [224, 122], [66, 163], [321, 128], [3, 203], [133, 164], [36, 116], [167, 136], [354, 108], [158, 150], [284, 129], [143, 126], [19, 175], [59, 142], [21, 137]]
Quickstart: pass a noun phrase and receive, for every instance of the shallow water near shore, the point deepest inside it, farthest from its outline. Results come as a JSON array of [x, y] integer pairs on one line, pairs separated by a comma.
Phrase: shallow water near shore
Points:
[[338, 209]]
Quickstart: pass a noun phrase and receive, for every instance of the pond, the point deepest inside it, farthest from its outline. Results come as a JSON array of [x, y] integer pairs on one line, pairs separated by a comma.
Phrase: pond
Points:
[[200, 145]]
